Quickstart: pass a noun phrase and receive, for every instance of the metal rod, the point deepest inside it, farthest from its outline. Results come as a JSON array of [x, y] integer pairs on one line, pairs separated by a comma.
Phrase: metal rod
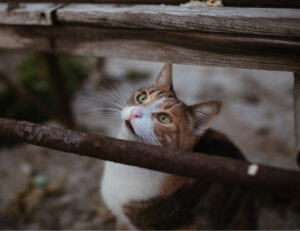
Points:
[[189, 164]]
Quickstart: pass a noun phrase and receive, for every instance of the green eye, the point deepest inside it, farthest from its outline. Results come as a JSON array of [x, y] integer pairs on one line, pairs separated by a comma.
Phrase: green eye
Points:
[[164, 118], [141, 98]]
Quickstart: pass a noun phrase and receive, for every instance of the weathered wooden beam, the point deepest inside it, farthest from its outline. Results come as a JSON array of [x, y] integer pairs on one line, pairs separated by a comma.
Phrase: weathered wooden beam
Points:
[[256, 52], [250, 21], [189, 164], [28, 14], [241, 3], [297, 113]]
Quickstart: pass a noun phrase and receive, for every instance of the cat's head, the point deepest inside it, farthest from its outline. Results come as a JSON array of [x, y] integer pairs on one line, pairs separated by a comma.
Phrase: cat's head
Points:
[[155, 115]]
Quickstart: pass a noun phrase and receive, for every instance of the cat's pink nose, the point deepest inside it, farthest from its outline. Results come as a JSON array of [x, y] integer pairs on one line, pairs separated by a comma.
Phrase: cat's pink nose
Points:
[[135, 113]]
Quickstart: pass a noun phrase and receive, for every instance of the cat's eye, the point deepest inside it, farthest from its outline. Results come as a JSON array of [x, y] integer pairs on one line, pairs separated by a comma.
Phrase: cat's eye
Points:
[[141, 98], [164, 118]]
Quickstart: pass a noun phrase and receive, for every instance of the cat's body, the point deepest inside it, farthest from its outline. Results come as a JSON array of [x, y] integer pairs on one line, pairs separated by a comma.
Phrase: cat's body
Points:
[[122, 184], [146, 199]]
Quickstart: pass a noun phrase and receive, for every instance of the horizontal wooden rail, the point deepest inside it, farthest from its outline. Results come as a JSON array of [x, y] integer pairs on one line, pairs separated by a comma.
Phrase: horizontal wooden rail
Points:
[[231, 20], [189, 164], [256, 52], [236, 37], [250, 21], [241, 3]]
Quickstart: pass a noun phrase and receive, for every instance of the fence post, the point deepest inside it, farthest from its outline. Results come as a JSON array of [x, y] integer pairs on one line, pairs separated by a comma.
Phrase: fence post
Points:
[[59, 89]]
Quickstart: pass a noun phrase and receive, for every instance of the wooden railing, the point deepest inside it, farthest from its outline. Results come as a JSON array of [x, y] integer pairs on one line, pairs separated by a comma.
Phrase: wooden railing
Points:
[[237, 37]]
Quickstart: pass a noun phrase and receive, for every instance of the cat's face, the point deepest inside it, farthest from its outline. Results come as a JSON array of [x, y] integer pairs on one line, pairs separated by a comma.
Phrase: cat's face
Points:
[[156, 116]]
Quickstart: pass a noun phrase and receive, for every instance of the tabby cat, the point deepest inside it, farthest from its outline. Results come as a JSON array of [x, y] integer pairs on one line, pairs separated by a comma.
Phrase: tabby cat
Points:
[[146, 199]]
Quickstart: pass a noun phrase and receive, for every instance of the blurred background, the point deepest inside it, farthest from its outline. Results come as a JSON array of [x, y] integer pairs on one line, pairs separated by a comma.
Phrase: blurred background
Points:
[[47, 189]]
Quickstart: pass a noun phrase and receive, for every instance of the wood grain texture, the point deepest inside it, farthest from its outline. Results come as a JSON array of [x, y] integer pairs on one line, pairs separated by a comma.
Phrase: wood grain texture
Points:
[[158, 45], [28, 14], [251, 21], [240, 3]]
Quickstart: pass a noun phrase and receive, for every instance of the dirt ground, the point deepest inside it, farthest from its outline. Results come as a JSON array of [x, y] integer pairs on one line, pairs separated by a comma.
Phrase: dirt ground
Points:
[[46, 189]]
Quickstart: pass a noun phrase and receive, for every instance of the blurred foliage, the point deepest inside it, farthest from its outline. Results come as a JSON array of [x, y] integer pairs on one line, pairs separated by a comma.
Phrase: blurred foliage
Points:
[[137, 75], [34, 75]]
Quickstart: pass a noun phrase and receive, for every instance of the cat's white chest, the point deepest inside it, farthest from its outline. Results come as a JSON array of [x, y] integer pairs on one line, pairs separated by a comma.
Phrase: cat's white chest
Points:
[[122, 184]]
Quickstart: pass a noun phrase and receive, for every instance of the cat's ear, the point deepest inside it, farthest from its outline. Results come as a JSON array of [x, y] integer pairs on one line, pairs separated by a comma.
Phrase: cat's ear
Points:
[[203, 115], [164, 78]]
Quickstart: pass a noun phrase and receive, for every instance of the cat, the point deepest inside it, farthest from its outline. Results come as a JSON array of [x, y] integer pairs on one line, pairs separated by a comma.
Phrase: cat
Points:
[[147, 199]]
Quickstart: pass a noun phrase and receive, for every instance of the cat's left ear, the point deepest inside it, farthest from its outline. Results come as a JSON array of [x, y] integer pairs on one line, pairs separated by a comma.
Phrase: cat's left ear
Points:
[[203, 115], [164, 78]]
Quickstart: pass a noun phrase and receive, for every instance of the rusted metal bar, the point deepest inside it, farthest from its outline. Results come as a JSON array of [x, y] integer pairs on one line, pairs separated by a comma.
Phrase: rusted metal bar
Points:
[[197, 165], [242, 3], [59, 89], [297, 113], [20, 90]]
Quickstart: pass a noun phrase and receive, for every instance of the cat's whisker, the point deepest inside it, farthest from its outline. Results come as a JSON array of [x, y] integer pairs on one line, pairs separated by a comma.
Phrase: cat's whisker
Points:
[[149, 138], [116, 92], [101, 98], [108, 109], [109, 100], [112, 93], [107, 96], [110, 96], [121, 95], [154, 139], [102, 113], [100, 116], [99, 110]]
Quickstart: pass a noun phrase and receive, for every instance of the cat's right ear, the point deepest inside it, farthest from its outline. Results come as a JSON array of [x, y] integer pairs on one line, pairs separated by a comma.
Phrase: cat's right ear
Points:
[[164, 78], [203, 115]]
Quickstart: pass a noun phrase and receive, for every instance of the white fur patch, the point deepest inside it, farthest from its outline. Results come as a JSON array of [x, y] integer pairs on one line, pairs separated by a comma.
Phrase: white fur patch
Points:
[[122, 183]]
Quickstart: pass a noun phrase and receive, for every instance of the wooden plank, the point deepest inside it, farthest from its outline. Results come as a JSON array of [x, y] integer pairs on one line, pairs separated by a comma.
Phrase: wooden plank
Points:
[[297, 113], [159, 45], [251, 21], [28, 14], [239, 3]]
